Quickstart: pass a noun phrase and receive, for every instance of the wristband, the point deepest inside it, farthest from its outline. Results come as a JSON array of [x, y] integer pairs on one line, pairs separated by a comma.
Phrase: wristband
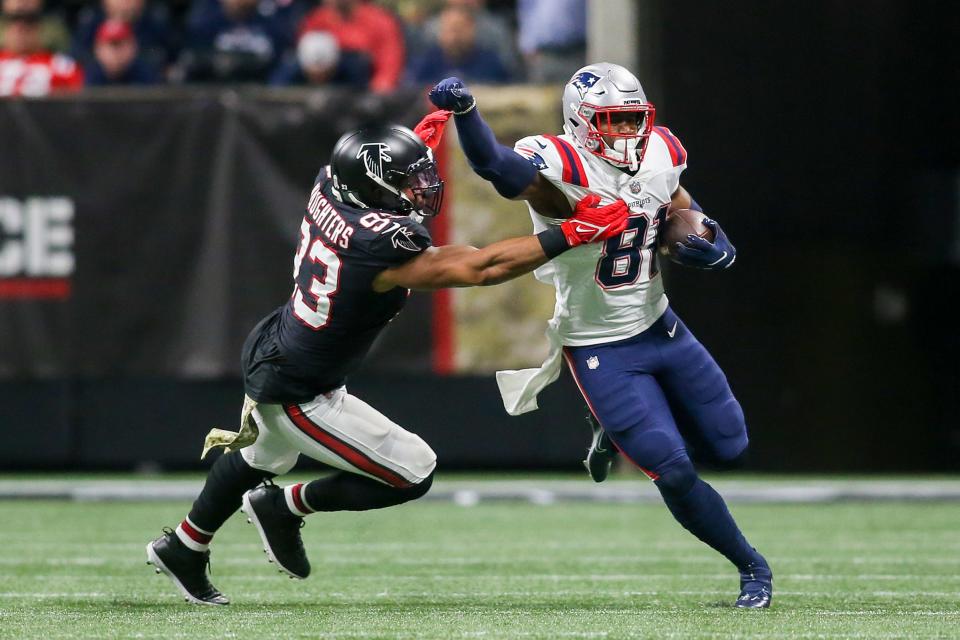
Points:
[[473, 105], [553, 242]]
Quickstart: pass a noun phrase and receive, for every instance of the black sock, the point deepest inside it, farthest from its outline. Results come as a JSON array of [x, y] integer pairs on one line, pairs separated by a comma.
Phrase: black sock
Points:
[[343, 491], [229, 478]]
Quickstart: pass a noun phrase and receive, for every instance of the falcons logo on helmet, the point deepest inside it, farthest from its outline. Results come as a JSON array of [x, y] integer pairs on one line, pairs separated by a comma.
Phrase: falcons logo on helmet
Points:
[[585, 81], [374, 154]]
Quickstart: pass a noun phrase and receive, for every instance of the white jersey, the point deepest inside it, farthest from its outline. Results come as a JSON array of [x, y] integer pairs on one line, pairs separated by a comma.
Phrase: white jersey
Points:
[[609, 291], [612, 290]]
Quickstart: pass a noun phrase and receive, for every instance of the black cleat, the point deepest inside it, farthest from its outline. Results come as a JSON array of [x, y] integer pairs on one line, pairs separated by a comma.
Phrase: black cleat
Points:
[[279, 529], [186, 568], [756, 587], [602, 451]]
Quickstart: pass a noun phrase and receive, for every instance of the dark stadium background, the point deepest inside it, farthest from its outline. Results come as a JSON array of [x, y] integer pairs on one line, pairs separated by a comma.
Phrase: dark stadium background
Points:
[[825, 138]]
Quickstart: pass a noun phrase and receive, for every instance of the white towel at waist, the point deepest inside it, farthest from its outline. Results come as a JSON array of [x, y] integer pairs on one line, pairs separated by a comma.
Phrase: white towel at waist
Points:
[[519, 387]]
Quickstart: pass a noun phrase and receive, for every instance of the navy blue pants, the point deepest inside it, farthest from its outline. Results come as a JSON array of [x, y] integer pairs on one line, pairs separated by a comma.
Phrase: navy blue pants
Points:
[[661, 398]]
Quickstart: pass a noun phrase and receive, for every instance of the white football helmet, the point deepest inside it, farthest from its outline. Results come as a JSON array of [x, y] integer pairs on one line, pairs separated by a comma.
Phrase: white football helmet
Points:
[[594, 94]]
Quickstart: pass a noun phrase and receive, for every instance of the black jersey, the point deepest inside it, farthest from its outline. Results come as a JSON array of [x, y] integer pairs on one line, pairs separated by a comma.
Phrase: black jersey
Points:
[[320, 336]]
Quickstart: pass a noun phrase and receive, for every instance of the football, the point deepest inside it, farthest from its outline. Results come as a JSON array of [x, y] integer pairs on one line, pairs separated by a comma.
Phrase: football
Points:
[[679, 224]]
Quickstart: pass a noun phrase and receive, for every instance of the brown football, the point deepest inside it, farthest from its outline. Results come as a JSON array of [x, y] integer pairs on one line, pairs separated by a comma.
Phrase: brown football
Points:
[[679, 224]]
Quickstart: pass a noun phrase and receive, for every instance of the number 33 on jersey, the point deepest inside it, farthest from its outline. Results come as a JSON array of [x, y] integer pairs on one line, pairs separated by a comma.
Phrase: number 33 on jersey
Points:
[[341, 251]]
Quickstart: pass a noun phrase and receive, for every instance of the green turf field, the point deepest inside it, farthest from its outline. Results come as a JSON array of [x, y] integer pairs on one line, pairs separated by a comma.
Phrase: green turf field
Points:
[[497, 570]]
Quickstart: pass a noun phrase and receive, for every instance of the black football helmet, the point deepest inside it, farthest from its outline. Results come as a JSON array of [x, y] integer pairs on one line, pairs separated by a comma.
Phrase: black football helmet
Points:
[[386, 167]]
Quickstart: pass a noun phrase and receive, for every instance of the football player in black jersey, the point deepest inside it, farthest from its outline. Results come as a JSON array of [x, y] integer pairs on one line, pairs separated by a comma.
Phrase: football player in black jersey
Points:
[[361, 249]]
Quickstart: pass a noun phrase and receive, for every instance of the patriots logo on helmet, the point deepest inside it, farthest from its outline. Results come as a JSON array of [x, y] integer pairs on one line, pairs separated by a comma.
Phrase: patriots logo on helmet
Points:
[[374, 154], [585, 81]]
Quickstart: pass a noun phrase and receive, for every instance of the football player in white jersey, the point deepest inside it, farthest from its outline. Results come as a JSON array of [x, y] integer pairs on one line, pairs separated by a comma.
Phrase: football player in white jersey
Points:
[[660, 397]]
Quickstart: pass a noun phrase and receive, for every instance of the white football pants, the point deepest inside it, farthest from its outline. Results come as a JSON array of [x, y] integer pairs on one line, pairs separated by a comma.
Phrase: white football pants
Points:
[[342, 431]]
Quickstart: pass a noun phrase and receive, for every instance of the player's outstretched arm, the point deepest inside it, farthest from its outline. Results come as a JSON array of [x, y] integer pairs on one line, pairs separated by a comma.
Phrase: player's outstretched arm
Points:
[[698, 252], [464, 266], [512, 175]]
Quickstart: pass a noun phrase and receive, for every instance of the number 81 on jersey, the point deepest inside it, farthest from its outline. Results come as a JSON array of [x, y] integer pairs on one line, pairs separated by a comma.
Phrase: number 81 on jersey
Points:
[[623, 257]]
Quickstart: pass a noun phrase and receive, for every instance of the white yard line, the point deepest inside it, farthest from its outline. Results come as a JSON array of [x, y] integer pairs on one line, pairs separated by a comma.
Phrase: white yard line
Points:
[[542, 492], [553, 633]]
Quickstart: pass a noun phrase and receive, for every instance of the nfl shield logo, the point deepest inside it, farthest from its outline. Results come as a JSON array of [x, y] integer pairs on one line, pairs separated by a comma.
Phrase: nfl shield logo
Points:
[[635, 187], [593, 362]]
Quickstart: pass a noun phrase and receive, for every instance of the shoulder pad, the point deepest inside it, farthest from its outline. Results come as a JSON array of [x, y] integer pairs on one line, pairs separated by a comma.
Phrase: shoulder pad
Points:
[[664, 140], [323, 174], [538, 151], [398, 238], [555, 157]]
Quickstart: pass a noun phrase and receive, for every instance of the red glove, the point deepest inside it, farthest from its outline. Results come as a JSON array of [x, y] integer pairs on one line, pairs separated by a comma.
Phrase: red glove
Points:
[[590, 223], [431, 127]]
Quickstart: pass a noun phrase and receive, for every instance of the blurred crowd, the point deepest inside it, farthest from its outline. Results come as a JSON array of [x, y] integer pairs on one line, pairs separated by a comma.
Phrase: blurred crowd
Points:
[[50, 46]]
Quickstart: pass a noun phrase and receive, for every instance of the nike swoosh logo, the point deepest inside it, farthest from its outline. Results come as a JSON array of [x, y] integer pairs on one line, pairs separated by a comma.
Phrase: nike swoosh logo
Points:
[[671, 332], [718, 260], [596, 230], [542, 146]]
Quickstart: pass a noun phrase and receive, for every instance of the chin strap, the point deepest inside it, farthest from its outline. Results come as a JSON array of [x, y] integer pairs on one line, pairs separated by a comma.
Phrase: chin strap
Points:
[[629, 151]]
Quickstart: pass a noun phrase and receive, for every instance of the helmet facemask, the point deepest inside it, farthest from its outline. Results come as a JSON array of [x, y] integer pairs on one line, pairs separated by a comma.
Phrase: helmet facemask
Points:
[[423, 182], [604, 138]]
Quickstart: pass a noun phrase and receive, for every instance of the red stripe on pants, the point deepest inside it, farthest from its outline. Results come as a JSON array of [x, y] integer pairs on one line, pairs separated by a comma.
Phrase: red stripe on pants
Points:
[[349, 453], [573, 371]]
